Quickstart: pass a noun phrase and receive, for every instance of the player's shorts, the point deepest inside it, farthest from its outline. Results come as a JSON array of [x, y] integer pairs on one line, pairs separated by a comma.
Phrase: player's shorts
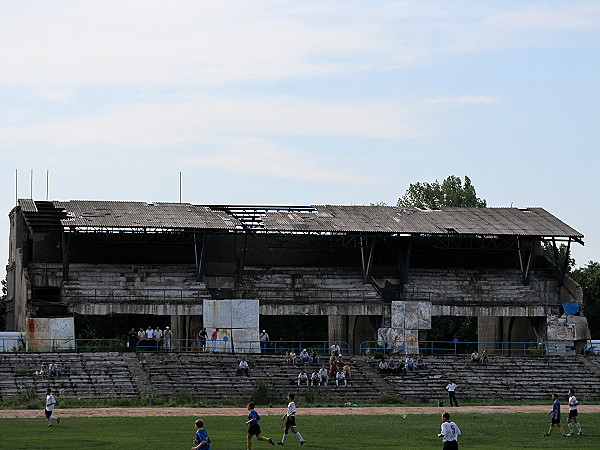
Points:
[[555, 421], [290, 422], [48, 414], [451, 445], [572, 414], [254, 429]]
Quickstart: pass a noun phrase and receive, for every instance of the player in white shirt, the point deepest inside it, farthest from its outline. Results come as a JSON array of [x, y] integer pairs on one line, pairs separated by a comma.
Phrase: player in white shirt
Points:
[[451, 388], [573, 403], [449, 433], [290, 421], [50, 402]]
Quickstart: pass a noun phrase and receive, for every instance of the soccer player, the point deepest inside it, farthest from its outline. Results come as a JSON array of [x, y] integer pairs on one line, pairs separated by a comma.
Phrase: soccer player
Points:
[[50, 402], [202, 440], [555, 416], [254, 427], [290, 421], [451, 388], [573, 414], [449, 433]]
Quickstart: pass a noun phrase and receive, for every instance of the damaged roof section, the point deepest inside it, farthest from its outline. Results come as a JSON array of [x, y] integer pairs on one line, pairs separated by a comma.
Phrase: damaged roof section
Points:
[[298, 219], [397, 220]]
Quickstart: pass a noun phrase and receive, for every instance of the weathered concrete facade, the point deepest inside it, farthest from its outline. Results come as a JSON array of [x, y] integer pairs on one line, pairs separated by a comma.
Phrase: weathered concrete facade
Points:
[[95, 258]]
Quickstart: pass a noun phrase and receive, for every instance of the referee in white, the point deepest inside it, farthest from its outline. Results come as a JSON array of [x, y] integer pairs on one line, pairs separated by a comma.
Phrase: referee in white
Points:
[[449, 433]]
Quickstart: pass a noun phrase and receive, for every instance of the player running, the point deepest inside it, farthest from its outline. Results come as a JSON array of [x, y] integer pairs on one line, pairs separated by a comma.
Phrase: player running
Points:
[[573, 403], [555, 416], [254, 427], [290, 421], [449, 433]]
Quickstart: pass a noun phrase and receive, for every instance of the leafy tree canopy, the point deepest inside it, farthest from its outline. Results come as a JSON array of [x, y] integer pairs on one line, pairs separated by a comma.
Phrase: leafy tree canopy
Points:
[[548, 251], [450, 193]]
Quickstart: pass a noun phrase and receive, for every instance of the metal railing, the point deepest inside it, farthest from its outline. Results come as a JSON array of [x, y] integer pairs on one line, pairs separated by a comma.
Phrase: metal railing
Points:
[[454, 347], [175, 345]]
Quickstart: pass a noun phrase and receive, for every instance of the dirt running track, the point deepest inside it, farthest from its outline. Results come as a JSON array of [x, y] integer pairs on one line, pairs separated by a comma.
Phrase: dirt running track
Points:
[[342, 411]]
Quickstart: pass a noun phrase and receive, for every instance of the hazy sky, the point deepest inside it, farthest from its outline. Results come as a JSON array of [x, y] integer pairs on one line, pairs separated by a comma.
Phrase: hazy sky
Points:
[[302, 102]]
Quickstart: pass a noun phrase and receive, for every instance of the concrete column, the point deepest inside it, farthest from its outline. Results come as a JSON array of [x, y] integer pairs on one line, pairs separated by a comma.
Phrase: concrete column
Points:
[[489, 329], [362, 329], [338, 328]]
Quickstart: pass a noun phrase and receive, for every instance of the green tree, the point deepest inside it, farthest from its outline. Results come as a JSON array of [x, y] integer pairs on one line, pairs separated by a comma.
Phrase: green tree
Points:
[[588, 278], [548, 251], [450, 193]]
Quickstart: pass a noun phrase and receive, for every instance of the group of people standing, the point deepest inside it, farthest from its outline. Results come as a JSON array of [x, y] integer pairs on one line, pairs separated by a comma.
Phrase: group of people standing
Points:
[[150, 337]]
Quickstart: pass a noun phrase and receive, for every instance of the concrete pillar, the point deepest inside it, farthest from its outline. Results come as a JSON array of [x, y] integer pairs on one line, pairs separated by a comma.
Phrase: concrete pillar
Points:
[[361, 329], [489, 329], [338, 328]]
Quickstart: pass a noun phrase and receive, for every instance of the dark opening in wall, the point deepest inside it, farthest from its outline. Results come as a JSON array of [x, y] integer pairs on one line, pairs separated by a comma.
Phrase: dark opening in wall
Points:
[[46, 294]]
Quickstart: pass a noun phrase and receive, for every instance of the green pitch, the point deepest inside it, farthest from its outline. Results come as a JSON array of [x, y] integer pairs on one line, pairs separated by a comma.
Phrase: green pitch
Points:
[[480, 431]]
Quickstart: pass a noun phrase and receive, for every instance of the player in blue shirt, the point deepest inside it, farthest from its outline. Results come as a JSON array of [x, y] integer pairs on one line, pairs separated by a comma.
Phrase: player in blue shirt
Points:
[[202, 440], [254, 427], [555, 416]]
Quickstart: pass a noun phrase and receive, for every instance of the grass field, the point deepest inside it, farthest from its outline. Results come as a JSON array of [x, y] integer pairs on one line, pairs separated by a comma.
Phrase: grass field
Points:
[[480, 431]]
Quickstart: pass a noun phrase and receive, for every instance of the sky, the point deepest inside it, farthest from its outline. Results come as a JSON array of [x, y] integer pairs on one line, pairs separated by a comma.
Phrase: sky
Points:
[[301, 102]]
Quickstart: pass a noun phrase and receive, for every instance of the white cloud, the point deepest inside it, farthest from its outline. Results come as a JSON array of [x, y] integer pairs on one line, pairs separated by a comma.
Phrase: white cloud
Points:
[[205, 43], [211, 118], [476, 100], [261, 157]]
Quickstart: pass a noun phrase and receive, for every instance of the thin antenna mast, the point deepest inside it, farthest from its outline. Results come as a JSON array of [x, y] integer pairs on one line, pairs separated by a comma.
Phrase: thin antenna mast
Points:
[[179, 187], [31, 185], [16, 186], [47, 182]]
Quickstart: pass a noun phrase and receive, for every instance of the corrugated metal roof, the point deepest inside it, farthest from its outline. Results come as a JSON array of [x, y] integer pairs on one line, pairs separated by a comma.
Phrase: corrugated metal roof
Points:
[[389, 219], [309, 219], [27, 205], [109, 214]]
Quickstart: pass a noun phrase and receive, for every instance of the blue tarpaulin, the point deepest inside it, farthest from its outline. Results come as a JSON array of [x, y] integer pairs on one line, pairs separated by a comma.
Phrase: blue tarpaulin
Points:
[[570, 308]]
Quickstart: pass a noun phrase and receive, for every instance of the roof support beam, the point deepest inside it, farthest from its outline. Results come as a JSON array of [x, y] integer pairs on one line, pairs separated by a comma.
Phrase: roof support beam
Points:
[[561, 264], [404, 252], [367, 248], [65, 255], [199, 241], [525, 257]]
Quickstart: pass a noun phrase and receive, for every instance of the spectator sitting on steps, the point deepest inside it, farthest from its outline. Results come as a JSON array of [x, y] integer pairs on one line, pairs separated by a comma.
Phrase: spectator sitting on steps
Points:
[[43, 370], [335, 349], [484, 358], [302, 376], [392, 367], [323, 375], [53, 369], [314, 358], [290, 358], [340, 378], [475, 358], [383, 366], [333, 368], [346, 370], [304, 357], [243, 368], [314, 378]]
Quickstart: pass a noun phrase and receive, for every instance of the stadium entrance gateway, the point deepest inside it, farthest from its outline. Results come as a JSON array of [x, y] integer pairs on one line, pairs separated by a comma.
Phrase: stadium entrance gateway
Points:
[[377, 272]]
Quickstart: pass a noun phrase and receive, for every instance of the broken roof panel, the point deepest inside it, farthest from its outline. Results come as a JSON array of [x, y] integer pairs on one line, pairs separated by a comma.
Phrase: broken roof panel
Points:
[[304, 219], [110, 214], [390, 219]]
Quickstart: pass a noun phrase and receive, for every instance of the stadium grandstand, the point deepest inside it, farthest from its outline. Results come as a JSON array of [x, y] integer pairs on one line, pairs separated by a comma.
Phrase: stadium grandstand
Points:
[[376, 279]]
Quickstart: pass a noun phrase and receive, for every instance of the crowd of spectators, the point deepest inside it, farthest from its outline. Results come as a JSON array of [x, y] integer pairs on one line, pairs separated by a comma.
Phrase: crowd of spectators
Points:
[[401, 366], [151, 338]]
